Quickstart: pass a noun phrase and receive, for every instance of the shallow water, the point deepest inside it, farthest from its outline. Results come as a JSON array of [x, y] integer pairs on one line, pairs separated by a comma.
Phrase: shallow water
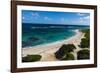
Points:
[[37, 34]]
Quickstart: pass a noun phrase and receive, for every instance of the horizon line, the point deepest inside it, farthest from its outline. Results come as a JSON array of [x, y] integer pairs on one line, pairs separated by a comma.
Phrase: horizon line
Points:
[[53, 24]]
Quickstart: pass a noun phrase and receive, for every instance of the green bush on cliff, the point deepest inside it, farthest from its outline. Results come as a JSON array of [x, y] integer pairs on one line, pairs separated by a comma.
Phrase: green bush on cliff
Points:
[[83, 54], [68, 56], [85, 42], [31, 58], [64, 50]]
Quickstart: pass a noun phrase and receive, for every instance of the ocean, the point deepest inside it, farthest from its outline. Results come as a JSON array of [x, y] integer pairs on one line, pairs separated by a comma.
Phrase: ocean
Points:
[[37, 34]]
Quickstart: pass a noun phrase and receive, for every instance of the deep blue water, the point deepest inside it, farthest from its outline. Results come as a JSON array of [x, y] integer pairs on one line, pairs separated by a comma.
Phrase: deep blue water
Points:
[[36, 34]]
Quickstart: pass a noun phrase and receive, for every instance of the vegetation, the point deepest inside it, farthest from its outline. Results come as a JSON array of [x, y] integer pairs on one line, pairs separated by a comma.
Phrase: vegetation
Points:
[[64, 51], [31, 58], [68, 56], [85, 42], [83, 54]]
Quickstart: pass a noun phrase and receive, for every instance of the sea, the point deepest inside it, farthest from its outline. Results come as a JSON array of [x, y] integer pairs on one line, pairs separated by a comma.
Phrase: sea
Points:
[[38, 34]]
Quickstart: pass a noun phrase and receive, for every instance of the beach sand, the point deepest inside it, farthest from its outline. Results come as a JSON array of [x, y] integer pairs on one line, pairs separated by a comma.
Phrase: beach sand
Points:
[[47, 51]]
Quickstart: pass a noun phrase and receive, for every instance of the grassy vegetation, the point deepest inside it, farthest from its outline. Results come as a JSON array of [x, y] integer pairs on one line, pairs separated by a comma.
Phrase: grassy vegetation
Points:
[[31, 58], [68, 56], [83, 54], [64, 52], [85, 42]]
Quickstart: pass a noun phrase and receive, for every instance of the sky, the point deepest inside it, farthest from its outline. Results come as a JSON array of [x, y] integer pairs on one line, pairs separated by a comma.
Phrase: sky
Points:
[[49, 17]]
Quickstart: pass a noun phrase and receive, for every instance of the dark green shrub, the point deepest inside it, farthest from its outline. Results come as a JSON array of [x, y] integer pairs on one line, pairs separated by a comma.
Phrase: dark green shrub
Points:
[[31, 58], [83, 54], [85, 42], [70, 47], [63, 50], [69, 56]]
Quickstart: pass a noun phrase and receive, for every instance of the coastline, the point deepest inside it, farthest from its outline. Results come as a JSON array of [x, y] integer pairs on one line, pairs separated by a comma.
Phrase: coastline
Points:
[[47, 51]]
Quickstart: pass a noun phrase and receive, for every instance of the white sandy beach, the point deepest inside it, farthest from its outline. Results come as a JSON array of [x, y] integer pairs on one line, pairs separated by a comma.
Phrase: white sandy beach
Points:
[[47, 51]]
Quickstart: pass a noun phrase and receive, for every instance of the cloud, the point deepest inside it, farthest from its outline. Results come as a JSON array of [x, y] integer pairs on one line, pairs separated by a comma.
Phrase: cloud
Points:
[[87, 17], [47, 18], [35, 15], [63, 20], [81, 20], [23, 17], [84, 19], [80, 14]]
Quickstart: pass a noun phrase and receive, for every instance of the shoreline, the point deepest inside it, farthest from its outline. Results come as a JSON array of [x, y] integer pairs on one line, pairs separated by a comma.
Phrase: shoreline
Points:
[[47, 51], [51, 43]]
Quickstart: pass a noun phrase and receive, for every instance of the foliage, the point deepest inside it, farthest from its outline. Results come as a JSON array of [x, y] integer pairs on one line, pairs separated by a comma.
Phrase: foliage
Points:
[[68, 56], [85, 42], [31, 58], [64, 50], [83, 54]]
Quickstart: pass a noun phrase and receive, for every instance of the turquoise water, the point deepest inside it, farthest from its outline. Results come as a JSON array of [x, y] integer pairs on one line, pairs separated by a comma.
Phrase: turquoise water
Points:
[[37, 34]]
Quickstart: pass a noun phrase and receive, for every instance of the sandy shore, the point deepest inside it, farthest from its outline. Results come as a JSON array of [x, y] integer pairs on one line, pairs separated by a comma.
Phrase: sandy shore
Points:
[[47, 51]]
